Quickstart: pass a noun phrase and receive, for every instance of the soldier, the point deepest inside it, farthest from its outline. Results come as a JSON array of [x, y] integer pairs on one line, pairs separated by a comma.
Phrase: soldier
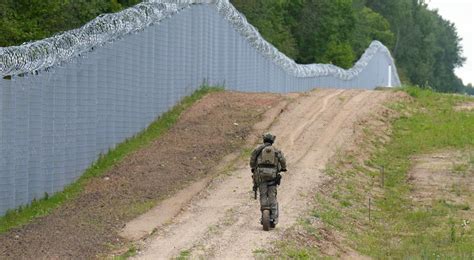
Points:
[[266, 163]]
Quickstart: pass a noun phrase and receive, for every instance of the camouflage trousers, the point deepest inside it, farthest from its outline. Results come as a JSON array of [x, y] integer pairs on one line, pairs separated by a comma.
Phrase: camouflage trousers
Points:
[[268, 199]]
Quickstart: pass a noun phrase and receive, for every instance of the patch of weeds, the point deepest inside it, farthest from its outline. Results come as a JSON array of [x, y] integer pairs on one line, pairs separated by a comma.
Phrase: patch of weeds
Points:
[[350, 187], [367, 131], [345, 203], [454, 206], [246, 152], [259, 253], [397, 106], [456, 189], [213, 229], [291, 250], [139, 208], [331, 216], [42, 207], [184, 255], [299, 253], [229, 169], [153, 232], [460, 167], [229, 218], [131, 252], [308, 226], [330, 171]]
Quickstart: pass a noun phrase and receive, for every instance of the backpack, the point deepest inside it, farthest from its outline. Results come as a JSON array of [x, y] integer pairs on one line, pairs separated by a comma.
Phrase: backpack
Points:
[[267, 162]]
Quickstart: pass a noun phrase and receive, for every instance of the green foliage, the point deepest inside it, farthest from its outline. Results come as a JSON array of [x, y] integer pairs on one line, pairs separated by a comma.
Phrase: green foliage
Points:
[[269, 17], [340, 54], [323, 32], [43, 207], [370, 26], [27, 20], [427, 47], [131, 252], [184, 255]]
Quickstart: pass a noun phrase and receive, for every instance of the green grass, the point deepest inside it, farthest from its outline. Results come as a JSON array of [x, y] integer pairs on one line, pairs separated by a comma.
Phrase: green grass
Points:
[[259, 251], [293, 250], [400, 227], [38, 208], [131, 252], [421, 231], [183, 255]]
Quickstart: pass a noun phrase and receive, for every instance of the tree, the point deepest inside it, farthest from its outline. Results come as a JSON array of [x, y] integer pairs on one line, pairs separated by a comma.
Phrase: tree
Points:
[[268, 16], [370, 26], [28, 20], [323, 32], [427, 47]]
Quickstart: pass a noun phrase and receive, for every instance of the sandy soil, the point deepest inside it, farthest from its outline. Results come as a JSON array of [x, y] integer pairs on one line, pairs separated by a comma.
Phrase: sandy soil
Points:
[[467, 106], [222, 222], [444, 175]]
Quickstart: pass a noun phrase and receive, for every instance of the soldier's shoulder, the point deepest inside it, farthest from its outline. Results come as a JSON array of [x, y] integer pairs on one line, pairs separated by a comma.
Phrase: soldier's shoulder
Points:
[[279, 151], [258, 147], [276, 149]]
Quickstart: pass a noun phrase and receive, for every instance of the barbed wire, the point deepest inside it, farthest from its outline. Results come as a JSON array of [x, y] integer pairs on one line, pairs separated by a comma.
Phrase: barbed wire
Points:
[[53, 51]]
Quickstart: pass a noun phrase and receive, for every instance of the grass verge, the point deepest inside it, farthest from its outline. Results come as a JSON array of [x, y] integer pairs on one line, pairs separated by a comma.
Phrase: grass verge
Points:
[[38, 208], [403, 227], [395, 225], [131, 252]]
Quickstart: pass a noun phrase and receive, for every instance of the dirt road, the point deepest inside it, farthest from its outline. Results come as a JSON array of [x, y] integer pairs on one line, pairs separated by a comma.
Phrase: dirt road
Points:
[[223, 221]]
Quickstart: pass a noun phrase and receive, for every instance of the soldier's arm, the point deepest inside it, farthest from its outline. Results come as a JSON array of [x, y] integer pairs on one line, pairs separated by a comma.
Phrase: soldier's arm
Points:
[[253, 159], [281, 160]]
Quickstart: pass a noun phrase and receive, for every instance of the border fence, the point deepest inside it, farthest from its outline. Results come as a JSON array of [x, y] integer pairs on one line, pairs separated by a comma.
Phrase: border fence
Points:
[[69, 98]]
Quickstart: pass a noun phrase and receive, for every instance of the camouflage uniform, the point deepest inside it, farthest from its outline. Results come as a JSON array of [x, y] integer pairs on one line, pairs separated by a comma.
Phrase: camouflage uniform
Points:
[[268, 189]]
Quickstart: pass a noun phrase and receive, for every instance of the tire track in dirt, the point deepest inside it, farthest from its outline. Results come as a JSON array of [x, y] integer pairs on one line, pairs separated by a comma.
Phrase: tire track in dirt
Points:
[[223, 222], [310, 118]]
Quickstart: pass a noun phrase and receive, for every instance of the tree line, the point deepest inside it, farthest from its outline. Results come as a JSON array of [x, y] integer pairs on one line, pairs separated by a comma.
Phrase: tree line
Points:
[[28, 20], [425, 46]]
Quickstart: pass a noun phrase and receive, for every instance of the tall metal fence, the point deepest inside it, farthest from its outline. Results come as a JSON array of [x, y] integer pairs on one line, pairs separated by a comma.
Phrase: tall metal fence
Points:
[[75, 96]]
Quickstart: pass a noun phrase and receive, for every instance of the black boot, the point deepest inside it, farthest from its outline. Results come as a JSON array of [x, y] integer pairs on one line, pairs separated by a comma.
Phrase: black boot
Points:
[[272, 224]]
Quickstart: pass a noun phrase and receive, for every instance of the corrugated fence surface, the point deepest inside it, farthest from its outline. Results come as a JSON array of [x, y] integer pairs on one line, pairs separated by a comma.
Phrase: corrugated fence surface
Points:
[[55, 121]]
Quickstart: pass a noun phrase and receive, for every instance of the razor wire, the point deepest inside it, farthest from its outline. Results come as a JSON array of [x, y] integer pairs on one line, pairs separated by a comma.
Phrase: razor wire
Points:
[[63, 47]]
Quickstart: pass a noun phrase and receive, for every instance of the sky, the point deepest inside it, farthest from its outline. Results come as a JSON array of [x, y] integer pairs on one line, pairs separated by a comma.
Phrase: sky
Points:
[[461, 13]]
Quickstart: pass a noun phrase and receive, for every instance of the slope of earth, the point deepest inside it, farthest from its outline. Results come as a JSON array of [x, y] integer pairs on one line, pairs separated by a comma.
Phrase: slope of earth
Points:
[[223, 221], [88, 226]]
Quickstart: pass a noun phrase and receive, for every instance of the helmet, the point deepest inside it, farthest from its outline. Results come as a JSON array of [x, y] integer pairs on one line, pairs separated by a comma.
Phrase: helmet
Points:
[[268, 138]]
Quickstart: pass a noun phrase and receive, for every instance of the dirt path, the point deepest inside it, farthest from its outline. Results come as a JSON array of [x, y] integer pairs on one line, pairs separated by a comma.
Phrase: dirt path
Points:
[[223, 221]]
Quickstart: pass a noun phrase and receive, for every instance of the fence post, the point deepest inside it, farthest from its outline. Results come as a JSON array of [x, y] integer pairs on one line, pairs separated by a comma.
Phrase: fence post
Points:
[[389, 76]]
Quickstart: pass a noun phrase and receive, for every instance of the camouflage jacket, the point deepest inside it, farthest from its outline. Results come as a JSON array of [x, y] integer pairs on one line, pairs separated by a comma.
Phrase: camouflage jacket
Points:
[[258, 150]]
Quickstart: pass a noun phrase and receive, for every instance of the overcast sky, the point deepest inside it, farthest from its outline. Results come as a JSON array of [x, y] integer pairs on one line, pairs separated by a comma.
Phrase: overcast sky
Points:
[[461, 13]]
